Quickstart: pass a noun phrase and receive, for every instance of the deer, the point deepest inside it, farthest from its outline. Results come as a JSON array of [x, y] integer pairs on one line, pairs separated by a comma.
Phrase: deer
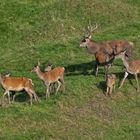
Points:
[[131, 67], [16, 84], [48, 68], [105, 52], [50, 77], [110, 83]]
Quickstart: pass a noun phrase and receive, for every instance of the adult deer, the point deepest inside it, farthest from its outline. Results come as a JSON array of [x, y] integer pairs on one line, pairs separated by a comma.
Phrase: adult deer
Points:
[[51, 76], [17, 84], [132, 67], [105, 52]]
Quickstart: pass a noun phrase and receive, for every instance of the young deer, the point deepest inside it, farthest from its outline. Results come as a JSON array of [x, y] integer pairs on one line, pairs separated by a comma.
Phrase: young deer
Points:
[[132, 67], [49, 77], [17, 84], [107, 50], [110, 82]]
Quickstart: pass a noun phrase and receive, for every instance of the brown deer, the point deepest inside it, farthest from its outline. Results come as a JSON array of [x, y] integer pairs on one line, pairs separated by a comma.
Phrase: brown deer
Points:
[[49, 77], [17, 84], [110, 83], [131, 66], [105, 52], [48, 68]]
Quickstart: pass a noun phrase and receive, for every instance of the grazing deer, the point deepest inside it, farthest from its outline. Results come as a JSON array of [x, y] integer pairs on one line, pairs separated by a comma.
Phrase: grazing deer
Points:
[[105, 52], [132, 67], [49, 77], [110, 82], [17, 84]]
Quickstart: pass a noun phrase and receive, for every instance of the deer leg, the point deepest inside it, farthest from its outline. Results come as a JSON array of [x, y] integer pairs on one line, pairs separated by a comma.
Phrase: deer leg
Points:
[[52, 87], [31, 98], [31, 90], [13, 99], [107, 90], [125, 76], [106, 70], [8, 93], [96, 69], [110, 91], [4, 96], [47, 91], [63, 83], [59, 84], [30, 95], [136, 78], [35, 96], [114, 88]]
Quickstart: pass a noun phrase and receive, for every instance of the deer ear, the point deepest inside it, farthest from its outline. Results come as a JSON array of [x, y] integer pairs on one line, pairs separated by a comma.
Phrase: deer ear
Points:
[[7, 75], [89, 36], [38, 63]]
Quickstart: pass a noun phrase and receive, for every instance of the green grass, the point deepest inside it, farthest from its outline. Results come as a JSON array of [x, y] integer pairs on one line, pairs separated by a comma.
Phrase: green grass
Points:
[[50, 31]]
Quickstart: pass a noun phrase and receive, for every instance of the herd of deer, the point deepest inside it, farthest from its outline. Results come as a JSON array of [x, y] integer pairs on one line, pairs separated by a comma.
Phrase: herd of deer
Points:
[[105, 53], [49, 77]]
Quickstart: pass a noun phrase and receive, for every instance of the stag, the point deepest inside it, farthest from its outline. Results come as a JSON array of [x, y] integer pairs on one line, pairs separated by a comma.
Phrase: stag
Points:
[[105, 52]]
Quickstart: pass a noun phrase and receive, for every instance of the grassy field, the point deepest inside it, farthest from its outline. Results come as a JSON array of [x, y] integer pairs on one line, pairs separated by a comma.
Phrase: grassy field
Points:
[[50, 31]]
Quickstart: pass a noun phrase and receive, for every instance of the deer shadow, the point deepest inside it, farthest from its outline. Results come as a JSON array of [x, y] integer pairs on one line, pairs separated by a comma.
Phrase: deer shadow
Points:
[[87, 68]]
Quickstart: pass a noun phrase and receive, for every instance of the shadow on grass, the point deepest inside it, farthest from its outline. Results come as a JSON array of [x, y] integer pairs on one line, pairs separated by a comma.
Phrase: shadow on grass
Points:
[[20, 96], [84, 68], [80, 69]]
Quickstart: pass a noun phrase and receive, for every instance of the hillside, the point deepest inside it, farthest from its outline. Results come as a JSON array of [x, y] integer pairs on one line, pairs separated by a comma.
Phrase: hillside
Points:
[[51, 31]]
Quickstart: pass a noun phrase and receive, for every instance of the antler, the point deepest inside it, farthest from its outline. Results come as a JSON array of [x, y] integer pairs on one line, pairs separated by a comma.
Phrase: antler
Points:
[[91, 29]]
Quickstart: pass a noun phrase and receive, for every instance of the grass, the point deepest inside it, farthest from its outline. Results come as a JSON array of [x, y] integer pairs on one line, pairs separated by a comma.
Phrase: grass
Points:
[[50, 31]]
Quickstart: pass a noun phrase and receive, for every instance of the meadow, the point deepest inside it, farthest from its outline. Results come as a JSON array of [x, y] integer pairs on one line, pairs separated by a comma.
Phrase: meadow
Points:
[[50, 31]]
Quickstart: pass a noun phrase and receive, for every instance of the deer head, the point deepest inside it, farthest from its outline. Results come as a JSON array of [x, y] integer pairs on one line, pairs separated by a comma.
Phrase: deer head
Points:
[[87, 36], [36, 67]]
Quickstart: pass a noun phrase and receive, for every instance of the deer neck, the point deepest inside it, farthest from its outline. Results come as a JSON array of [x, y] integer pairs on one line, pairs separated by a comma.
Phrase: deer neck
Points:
[[2, 79], [125, 62], [40, 74], [92, 47]]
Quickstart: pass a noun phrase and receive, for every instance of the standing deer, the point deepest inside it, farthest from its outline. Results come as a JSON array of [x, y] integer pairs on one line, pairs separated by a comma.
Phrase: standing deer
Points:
[[49, 77], [17, 84], [48, 68], [110, 83], [105, 52], [132, 67]]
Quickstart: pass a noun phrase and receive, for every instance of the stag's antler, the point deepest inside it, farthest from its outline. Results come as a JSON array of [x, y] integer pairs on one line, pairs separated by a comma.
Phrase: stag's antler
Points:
[[90, 30]]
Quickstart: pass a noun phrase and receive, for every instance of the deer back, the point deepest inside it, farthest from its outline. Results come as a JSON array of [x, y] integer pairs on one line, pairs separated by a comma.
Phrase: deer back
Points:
[[122, 45], [55, 74], [15, 83], [134, 66]]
